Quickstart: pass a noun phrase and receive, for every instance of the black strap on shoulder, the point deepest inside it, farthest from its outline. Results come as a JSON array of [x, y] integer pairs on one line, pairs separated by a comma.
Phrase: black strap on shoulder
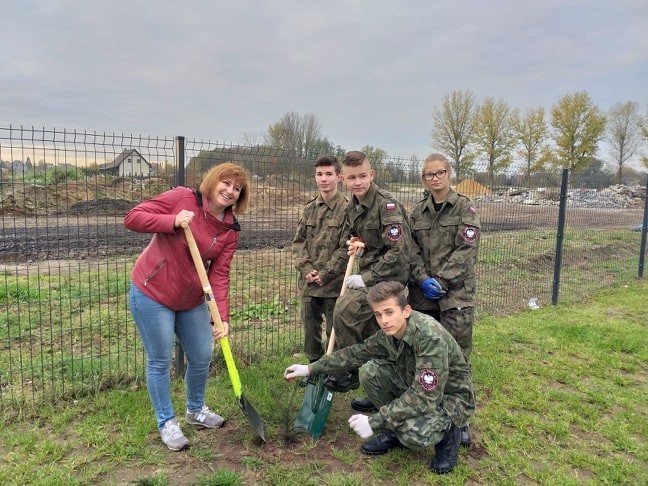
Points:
[[198, 196]]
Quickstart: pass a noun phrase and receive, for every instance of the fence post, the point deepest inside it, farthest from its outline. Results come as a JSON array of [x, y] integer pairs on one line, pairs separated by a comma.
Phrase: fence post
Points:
[[644, 230], [560, 235], [180, 181]]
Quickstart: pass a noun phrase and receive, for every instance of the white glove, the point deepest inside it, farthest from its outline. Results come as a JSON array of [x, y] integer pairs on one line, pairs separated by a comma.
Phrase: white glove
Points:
[[354, 282], [360, 425], [295, 371]]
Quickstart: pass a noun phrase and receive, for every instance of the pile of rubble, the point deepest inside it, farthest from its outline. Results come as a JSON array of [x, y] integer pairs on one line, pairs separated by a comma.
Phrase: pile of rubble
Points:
[[618, 196]]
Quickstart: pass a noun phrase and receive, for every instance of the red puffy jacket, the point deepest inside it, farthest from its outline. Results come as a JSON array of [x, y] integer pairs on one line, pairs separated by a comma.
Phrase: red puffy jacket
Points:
[[164, 270]]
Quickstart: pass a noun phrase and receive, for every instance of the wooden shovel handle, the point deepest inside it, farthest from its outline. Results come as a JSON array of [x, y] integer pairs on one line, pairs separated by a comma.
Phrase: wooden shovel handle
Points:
[[204, 280], [347, 273]]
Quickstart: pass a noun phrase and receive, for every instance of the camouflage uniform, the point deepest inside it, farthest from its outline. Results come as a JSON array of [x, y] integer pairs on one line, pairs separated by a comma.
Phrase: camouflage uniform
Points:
[[316, 247], [419, 384], [444, 247], [381, 222]]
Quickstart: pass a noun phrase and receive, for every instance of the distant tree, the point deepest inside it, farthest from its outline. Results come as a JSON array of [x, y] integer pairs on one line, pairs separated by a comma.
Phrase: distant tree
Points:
[[594, 176], [299, 136], [376, 155], [632, 176], [166, 169], [578, 126], [414, 170], [379, 162], [253, 139], [644, 134], [339, 151], [454, 123], [260, 161], [90, 170], [493, 135], [531, 134], [624, 134]]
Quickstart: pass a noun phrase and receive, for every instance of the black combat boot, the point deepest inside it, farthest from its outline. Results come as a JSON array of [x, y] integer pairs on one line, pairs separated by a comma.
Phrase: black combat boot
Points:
[[466, 439], [363, 405], [381, 444], [343, 382], [447, 451]]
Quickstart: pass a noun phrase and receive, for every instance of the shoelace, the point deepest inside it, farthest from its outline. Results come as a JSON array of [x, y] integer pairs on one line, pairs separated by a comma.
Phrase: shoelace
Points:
[[174, 431], [202, 414]]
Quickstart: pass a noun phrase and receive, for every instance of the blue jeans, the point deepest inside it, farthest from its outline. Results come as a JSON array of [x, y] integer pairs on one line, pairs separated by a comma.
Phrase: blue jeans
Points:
[[157, 324]]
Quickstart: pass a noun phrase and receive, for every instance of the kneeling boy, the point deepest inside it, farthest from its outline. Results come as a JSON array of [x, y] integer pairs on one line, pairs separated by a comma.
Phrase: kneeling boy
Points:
[[422, 388]]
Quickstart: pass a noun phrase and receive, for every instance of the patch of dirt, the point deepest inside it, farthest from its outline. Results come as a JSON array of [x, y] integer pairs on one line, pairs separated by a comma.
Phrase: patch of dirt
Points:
[[236, 448], [102, 207], [85, 221]]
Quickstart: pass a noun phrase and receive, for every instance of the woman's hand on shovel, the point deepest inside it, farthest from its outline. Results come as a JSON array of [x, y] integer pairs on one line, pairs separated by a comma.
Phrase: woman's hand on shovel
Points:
[[183, 219], [221, 334], [296, 371]]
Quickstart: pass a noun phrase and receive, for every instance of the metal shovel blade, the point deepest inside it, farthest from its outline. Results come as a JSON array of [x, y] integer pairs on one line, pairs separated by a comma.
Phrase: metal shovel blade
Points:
[[319, 399], [253, 416], [315, 408]]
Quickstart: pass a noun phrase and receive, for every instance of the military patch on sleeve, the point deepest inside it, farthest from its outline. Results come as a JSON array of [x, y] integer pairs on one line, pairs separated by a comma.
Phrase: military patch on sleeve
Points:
[[428, 380], [394, 232], [469, 234], [472, 210], [390, 206]]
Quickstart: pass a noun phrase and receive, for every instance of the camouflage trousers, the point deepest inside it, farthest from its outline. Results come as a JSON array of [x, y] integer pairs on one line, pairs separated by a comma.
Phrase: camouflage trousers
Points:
[[316, 310], [382, 383], [459, 323], [353, 318]]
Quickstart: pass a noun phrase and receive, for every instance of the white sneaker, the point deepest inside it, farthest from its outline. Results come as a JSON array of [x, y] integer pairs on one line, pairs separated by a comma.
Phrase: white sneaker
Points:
[[173, 437], [205, 418]]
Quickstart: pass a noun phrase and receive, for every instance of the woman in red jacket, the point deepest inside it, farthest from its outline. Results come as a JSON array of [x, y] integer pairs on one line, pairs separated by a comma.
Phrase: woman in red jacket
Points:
[[166, 296]]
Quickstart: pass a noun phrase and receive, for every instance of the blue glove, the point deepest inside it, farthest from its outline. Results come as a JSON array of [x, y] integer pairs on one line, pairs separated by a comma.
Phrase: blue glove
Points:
[[432, 289]]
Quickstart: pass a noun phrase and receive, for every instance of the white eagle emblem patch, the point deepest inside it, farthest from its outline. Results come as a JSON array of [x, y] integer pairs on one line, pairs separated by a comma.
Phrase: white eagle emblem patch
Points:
[[469, 234], [394, 232], [428, 380]]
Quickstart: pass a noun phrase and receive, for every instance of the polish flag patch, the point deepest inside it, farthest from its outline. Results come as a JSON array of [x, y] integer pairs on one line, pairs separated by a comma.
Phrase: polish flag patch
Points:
[[390, 206]]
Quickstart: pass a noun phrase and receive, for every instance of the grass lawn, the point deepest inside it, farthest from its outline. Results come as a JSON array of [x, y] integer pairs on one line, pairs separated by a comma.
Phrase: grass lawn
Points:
[[562, 399]]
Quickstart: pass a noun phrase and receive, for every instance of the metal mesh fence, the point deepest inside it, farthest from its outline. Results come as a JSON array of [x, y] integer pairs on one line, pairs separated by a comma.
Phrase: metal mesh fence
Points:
[[65, 256]]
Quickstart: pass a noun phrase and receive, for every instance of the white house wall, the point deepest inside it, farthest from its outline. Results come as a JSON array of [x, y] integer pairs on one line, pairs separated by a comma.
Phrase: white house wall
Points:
[[138, 168]]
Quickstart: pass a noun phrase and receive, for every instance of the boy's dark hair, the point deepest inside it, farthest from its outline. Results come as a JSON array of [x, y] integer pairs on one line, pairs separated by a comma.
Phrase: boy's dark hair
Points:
[[327, 161], [386, 290], [354, 158]]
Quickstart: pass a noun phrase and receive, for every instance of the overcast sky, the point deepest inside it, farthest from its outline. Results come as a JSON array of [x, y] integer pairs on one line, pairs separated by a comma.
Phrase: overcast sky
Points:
[[371, 71]]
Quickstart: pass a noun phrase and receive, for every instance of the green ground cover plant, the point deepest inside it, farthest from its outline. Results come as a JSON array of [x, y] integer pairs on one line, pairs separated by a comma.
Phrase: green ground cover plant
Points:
[[561, 400]]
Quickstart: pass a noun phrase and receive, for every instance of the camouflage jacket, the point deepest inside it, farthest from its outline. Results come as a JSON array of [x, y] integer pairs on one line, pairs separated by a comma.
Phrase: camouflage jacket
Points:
[[444, 246], [381, 221], [316, 245], [427, 358]]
